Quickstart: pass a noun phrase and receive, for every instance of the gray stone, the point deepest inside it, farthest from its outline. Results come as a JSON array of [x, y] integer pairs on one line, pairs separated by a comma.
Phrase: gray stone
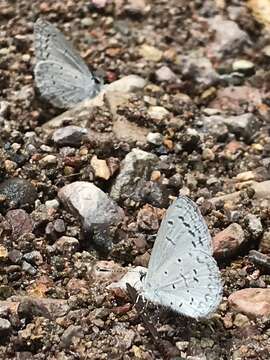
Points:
[[228, 37], [67, 245], [5, 325], [20, 221], [135, 170], [165, 74], [50, 308], [155, 138], [244, 125], [54, 204], [28, 268], [69, 136], [98, 213], [71, 332], [33, 257], [254, 225], [19, 192], [198, 68], [243, 66]]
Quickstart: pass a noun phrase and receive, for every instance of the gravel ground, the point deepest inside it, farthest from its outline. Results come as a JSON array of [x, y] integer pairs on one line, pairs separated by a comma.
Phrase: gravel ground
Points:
[[83, 191]]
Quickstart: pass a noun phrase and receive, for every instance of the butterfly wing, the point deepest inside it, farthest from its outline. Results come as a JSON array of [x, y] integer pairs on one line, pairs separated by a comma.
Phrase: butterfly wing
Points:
[[182, 274], [61, 75], [62, 85], [50, 44]]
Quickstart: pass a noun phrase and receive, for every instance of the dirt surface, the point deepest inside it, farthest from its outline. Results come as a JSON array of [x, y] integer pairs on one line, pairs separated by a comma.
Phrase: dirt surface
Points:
[[202, 122]]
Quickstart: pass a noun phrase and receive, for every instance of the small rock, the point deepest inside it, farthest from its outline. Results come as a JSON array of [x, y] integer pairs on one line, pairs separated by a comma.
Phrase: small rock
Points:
[[165, 74], [50, 308], [241, 125], [228, 37], [21, 223], [227, 242], [135, 169], [67, 245], [241, 320], [155, 138], [253, 302], [158, 113], [28, 268], [69, 136], [198, 68], [150, 53], [254, 225], [59, 226], [244, 66], [68, 335], [5, 326], [101, 168], [33, 257], [48, 160], [54, 204], [3, 252], [15, 256], [96, 210], [148, 218], [132, 277], [265, 242], [18, 192]]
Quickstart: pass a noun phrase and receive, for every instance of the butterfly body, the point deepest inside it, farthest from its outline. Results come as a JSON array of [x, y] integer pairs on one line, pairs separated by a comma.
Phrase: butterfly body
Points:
[[61, 75]]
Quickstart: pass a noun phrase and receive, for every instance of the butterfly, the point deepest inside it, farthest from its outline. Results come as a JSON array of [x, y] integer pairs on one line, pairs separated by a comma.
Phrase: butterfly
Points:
[[61, 75], [182, 273]]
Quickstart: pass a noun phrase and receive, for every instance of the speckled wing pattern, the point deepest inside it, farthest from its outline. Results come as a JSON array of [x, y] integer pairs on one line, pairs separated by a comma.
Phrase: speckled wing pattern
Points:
[[61, 75], [182, 274]]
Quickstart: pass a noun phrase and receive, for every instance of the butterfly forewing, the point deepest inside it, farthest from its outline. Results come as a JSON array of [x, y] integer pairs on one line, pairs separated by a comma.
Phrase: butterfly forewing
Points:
[[50, 44]]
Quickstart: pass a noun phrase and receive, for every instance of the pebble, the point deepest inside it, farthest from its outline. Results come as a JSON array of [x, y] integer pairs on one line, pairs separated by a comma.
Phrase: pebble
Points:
[[244, 125], [199, 68], [28, 268], [155, 138], [265, 242], [244, 66], [158, 113], [59, 226], [96, 210], [228, 36], [227, 242], [67, 245], [150, 53], [3, 252], [19, 192], [15, 256], [68, 335], [100, 168], [254, 225], [50, 308], [254, 302], [48, 160], [20, 221], [33, 257], [241, 320], [5, 325], [69, 136], [53, 204], [135, 169], [165, 74]]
